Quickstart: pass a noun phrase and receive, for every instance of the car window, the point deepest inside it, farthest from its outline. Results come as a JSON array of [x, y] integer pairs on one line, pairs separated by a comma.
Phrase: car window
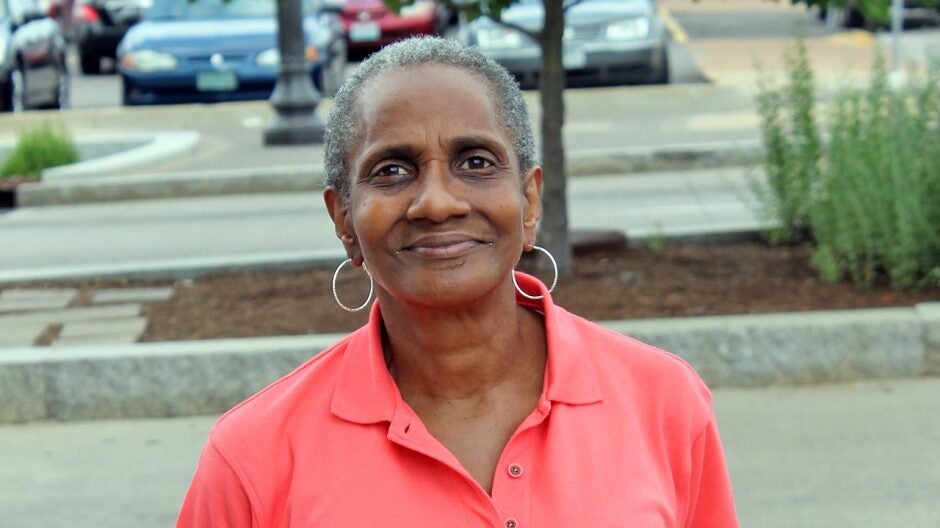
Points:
[[18, 7], [204, 9], [197, 9]]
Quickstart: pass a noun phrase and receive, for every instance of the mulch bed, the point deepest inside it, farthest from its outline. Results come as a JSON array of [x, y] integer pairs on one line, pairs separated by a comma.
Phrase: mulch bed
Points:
[[681, 279]]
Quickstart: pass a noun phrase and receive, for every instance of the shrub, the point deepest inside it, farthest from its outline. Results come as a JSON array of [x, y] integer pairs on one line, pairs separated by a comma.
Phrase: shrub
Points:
[[868, 201], [38, 149], [793, 147]]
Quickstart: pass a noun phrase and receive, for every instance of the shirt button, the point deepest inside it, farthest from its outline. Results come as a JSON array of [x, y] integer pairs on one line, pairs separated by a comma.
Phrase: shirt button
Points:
[[515, 470], [511, 523]]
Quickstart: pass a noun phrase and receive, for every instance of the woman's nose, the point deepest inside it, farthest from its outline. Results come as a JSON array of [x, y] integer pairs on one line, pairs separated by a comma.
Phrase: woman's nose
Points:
[[437, 196]]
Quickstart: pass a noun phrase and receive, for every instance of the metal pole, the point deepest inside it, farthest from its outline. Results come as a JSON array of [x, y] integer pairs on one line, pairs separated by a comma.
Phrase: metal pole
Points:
[[295, 99], [897, 24]]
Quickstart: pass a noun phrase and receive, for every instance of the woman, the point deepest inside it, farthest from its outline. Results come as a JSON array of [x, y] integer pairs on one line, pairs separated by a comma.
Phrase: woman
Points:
[[461, 402]]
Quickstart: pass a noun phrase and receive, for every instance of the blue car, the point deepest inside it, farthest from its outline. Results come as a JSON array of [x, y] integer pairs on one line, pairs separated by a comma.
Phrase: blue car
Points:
[[205, 51]]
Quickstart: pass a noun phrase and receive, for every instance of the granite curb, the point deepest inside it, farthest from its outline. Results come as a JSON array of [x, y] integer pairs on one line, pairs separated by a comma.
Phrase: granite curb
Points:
[[77, 187], [208, 377]]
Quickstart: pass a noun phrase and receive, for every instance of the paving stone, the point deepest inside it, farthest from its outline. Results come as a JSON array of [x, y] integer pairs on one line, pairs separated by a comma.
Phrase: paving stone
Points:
[[116, 338], [84, 313], [25, 300], [120, 326], [125, 295], [21, 335]]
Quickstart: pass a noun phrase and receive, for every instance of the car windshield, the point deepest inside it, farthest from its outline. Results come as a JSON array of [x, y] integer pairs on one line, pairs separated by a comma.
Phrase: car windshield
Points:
[[203, 9]]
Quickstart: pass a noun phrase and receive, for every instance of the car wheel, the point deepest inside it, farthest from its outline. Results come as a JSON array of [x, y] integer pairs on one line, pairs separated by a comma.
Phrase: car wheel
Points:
[[63, 95], [332, 76], [852, 17], [125, 94], [17, 91], [660, 74], [91, 64]]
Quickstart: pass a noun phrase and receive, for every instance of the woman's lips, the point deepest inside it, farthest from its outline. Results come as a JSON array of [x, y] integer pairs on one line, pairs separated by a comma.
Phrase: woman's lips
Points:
[[443, 247]]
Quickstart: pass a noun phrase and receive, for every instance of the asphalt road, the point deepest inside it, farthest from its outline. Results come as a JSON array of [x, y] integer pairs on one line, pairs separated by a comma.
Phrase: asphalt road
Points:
[[199, 233]]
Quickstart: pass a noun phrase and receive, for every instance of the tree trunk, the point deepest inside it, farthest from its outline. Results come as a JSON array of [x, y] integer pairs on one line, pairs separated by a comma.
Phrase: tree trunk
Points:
[[553, 232]]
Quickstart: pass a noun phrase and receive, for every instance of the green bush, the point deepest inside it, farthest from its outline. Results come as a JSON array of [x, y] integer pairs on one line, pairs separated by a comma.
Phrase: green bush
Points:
[[793, 147], [38, 149], [868, 200]]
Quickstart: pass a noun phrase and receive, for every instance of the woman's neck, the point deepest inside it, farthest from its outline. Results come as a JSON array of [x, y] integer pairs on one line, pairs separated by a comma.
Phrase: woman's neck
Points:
[[449, 355]]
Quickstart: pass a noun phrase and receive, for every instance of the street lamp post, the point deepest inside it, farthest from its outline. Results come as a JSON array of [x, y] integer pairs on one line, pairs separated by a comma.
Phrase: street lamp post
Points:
[[295, 99]]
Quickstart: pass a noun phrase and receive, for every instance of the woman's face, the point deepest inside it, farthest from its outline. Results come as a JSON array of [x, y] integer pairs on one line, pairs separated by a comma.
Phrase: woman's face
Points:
[[437, 209]]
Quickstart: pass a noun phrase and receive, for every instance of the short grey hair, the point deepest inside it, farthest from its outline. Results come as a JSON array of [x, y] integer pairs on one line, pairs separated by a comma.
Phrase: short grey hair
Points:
[[343, 127]]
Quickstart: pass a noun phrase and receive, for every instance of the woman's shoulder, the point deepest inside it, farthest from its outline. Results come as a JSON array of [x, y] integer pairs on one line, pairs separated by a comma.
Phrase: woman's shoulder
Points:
[[302, 394], [627, 365]]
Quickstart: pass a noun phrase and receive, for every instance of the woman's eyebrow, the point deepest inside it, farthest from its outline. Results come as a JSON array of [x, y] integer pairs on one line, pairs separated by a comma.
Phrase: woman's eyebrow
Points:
[[402, 151], [462, 143]]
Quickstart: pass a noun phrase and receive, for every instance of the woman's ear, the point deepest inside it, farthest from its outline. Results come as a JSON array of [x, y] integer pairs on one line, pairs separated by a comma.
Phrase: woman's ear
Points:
[[532, 193], [338, 209]]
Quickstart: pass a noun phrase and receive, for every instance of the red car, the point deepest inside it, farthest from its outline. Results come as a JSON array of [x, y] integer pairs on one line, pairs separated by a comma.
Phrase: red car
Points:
[[369, 25]]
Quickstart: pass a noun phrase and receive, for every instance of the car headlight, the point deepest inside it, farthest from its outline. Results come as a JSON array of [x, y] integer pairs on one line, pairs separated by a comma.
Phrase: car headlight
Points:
[[271, 58], [629, 29], [146, 60], [268, 58], [498, 38], [416, 9]]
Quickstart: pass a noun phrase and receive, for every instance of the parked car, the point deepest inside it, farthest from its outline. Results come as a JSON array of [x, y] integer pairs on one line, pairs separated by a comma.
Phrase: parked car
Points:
[[873, 15], [189, 51], [369, 24], [604, 40], [97, 26], [33, 71]]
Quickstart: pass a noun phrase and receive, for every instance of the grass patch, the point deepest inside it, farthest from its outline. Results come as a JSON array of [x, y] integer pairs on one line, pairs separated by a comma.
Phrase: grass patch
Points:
[[37, 149]]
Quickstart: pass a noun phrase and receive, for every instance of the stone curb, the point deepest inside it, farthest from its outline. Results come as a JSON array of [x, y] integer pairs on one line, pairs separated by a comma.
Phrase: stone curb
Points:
[[72, 190], [183, 268], [154, 147], [208, 377]]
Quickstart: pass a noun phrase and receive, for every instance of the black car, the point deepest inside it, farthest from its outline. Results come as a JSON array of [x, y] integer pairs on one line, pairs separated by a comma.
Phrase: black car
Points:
[[99, 25], [33, 72]]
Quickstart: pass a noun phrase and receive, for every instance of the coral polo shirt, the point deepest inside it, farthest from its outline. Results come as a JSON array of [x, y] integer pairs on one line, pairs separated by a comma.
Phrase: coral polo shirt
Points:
[[623, 435]]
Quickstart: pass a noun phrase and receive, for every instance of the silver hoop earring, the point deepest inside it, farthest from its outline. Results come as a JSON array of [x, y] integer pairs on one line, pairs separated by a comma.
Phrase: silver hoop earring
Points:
[[554, 280], [335, 296]]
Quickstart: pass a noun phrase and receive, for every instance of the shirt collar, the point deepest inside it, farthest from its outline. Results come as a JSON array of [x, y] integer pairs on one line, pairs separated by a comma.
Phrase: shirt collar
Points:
[[366, 393]]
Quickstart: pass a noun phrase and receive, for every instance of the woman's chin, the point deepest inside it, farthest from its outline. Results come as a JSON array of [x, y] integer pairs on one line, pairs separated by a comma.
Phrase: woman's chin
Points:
[[443, 290]]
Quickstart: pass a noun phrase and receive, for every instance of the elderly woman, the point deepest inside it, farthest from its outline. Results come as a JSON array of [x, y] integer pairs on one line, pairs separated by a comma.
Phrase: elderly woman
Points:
[[469, 399]]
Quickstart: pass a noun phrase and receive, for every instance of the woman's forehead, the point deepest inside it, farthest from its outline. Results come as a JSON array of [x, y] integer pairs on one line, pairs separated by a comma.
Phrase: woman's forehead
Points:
[[424, 85], [428, 98]]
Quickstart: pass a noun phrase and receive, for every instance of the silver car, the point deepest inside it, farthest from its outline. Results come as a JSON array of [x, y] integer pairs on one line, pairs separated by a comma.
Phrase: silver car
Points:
[[604, 41]]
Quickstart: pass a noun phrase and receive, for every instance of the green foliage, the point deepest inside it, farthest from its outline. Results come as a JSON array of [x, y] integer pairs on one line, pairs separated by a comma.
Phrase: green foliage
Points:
[[873, 10], [657, 240], [868, 201], [792, 146], [38, 149]]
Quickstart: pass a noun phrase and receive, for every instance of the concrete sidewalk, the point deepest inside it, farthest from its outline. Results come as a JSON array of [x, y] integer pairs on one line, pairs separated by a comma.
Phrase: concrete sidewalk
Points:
[[865, 455]]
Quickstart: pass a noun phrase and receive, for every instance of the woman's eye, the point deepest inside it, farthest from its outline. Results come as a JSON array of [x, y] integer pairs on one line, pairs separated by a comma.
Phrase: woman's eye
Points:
[[476, 162], [392, 171]]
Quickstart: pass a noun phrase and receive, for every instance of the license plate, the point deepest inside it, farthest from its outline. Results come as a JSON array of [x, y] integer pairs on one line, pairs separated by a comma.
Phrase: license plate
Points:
[[573, 59], [216, 81], [364, 32]]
